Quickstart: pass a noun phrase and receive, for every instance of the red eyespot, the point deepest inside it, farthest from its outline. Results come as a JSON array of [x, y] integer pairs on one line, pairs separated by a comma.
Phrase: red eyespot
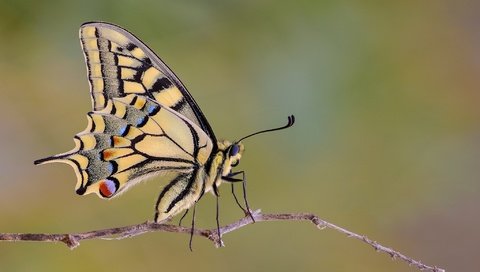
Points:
[[108, 187]]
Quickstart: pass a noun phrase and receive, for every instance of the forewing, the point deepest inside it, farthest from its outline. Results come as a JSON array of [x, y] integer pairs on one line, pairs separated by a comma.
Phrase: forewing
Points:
[[130, 139], [119, 64]]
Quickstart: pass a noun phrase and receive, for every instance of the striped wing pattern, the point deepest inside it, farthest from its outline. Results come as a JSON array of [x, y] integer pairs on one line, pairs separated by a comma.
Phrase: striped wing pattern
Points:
[[119, 64]]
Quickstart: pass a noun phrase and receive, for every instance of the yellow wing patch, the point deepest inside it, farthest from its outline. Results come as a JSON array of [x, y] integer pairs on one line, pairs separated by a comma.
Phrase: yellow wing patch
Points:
[[119, 64]]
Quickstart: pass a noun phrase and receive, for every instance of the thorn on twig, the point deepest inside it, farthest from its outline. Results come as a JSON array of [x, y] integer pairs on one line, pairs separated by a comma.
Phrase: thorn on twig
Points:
[[217, 241], [250, 214], [321, 225], [70, 241], [256, 212]]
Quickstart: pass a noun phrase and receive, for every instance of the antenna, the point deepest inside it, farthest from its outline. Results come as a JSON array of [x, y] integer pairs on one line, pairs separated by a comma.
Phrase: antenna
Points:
[[291, 121]]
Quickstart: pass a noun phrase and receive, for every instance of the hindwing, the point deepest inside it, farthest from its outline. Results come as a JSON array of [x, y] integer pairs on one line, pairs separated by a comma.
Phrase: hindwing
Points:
[[131, 138]]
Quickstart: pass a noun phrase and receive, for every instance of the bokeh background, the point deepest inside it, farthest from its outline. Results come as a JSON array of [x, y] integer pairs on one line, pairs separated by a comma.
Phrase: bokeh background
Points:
[[387, 142]]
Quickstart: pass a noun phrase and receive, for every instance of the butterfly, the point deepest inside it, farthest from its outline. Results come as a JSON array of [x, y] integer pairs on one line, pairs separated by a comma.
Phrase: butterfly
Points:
[[145, 123]]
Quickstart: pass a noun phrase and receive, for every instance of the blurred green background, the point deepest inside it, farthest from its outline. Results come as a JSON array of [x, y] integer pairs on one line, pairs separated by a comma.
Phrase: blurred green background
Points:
[[387, 141]]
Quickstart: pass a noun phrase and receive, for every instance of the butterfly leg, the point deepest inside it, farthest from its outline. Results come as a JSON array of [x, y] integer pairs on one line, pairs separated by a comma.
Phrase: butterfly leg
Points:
[[193, 228], [231, 178], [217, 215], [232, 181], [218, 220], [183, 216], [236, 199]]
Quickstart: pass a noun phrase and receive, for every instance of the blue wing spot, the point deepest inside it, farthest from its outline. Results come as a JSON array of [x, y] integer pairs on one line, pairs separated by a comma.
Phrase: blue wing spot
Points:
[[112, 167], [122, 131], [142, 121], [153, 109]]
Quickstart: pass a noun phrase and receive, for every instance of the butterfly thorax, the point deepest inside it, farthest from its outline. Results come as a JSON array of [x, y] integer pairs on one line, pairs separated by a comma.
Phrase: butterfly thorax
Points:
[[226, 157]]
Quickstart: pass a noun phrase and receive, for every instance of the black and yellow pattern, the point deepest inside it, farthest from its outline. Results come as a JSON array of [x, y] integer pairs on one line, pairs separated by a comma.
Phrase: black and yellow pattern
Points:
[[119, 64], [144, 123]]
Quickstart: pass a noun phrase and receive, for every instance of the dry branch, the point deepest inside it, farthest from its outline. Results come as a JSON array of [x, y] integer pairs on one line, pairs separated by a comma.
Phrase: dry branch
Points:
[[73, 240]]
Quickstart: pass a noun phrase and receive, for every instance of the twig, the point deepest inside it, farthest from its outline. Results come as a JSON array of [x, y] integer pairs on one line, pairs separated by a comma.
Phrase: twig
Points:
[[73, 240]]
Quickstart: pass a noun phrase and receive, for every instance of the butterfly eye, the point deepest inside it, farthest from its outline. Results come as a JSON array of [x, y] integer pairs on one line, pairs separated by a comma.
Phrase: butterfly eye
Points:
[[234, 150], [108, 187]]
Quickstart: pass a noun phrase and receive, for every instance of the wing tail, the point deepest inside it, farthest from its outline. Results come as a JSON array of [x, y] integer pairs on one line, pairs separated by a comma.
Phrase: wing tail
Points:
[[55, 158]]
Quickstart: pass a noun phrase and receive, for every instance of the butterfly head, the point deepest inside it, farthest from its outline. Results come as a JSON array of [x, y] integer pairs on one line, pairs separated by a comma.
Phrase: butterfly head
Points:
[[234, 154]]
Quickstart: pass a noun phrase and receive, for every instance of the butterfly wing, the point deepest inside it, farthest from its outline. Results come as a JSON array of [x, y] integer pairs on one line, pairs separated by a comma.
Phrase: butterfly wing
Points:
[[132, 138], [144, 122], [119, 64]]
